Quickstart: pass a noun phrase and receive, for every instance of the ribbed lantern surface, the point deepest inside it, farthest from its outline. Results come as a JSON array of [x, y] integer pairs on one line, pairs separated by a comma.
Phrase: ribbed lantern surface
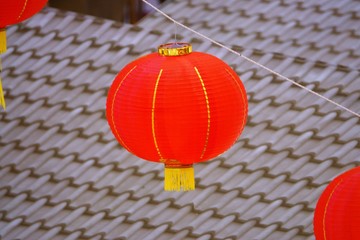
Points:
[[337, 213], [177, 107]]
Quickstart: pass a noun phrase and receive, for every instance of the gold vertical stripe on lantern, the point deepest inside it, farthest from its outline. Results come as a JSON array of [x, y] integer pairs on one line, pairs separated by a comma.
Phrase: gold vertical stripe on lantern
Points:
[[243, 94], [112, 110], [23, 9], [326, 207], [2, 40], [153, 115], [208, 112], [179, 178]]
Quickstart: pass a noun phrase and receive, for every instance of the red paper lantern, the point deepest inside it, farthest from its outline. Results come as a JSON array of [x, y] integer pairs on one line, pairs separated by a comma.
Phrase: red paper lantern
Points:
[[13, 12], [177, 107], [337, 213]]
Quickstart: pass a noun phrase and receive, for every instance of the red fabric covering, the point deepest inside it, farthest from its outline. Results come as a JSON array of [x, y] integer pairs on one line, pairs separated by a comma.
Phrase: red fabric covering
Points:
[[200, 107], [337, 213], [15, 11]]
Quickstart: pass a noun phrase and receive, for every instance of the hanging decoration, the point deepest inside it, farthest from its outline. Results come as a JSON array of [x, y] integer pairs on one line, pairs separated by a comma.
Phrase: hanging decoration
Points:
[[177, 107], [337, 213], [13, 12]]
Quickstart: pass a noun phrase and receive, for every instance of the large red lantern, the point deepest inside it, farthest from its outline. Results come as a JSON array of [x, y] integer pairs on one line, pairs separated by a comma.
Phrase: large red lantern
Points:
[[177, 107], [13, 12], [337, 213]]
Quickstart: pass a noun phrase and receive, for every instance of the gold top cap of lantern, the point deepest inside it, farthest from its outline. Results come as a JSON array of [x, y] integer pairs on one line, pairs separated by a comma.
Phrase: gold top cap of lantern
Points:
[[175, 49]]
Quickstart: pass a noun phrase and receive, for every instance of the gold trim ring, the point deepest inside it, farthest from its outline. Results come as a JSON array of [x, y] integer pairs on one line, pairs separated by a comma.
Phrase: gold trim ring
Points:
[[175, 49]]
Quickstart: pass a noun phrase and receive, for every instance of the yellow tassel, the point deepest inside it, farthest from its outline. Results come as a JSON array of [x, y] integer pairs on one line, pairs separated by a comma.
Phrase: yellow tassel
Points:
[[2, 40], [2, 99], [2, 50], [179, 178]]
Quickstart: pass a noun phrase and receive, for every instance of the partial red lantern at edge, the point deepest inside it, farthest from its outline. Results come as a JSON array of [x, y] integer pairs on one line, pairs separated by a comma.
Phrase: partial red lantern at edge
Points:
[[177, 107], [13, 12], [337, 213]]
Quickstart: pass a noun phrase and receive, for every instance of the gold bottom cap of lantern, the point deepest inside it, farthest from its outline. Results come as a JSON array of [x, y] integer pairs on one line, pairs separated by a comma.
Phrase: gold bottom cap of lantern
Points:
[[179, 178], [2, 40]]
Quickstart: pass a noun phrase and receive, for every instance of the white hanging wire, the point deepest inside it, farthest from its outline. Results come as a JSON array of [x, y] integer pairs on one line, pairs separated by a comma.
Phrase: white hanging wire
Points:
[[250, 60], [175, 34]]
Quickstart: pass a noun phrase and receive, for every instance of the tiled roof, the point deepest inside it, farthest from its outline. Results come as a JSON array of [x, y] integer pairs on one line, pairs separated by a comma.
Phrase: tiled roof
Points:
[[64, 176]]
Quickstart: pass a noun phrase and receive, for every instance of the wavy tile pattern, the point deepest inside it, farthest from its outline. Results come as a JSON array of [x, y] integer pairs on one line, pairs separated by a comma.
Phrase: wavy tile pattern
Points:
[[63, 175]]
